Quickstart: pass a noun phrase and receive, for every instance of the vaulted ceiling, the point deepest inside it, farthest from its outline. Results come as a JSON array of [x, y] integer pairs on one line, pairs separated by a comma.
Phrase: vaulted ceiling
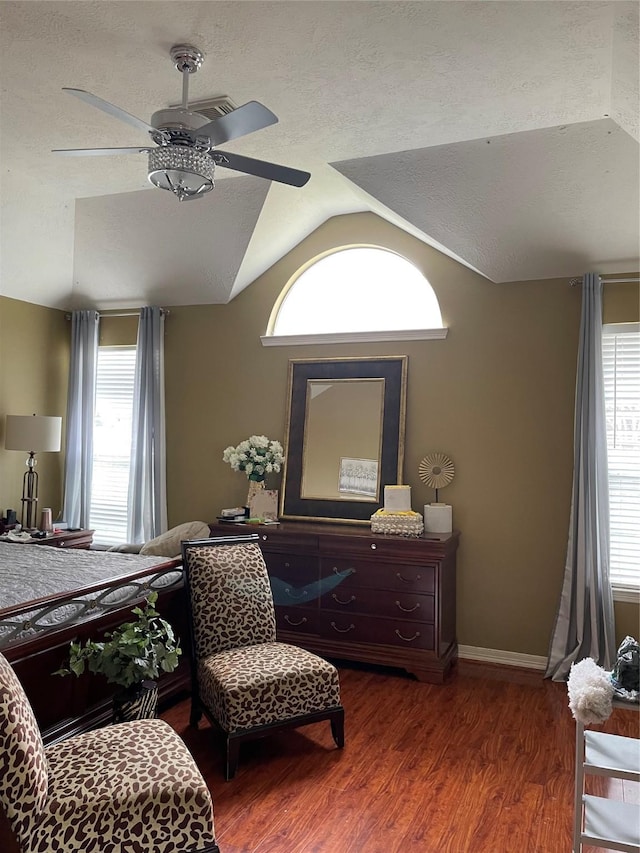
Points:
[[503, 133]]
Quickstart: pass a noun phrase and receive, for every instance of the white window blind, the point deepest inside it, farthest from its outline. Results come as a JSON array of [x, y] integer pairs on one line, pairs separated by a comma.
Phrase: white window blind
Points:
[[621, 371], [112, 444]]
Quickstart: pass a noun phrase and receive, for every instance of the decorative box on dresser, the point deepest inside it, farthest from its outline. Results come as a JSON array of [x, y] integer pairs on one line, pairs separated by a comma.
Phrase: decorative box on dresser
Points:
[[344, 592]]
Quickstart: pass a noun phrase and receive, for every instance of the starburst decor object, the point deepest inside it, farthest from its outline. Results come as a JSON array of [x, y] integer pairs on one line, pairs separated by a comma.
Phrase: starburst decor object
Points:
[[437, 471]]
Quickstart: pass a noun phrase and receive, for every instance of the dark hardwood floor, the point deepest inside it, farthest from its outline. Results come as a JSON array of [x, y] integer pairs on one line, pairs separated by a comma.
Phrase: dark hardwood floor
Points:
[[481, 764]]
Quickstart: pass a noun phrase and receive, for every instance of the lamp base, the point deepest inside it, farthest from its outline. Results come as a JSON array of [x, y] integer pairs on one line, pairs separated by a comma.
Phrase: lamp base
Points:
[[29, 494]]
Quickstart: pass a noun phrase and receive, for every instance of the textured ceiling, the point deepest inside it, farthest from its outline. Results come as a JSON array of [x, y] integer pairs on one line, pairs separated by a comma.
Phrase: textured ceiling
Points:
[[504, 133]]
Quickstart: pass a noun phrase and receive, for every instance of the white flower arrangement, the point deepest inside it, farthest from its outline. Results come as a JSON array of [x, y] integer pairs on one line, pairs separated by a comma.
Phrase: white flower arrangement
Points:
[[257, 456]]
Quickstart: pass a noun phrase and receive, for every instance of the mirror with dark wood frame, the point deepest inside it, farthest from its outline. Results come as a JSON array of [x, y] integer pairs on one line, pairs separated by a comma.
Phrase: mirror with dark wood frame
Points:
[[344, 436]]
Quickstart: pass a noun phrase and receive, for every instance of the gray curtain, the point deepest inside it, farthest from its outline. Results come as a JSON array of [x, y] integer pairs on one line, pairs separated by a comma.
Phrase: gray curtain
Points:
[[79, 425], [147, 479], [585, 621]]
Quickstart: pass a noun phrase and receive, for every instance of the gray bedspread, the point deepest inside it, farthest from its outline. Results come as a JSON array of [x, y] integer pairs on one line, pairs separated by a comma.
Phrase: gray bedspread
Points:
[[32, 572]]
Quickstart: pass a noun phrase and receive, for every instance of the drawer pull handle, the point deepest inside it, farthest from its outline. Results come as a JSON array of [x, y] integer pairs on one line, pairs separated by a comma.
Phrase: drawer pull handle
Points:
[[290, 594], [373, 546], [408, 580], [295, 624], [264, 536], [342, 630], [408, 639], [344, 574], [338, 601], [408, 609]]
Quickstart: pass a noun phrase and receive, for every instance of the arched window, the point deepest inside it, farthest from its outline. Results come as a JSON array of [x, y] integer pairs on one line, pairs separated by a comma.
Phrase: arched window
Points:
[[356, 291]]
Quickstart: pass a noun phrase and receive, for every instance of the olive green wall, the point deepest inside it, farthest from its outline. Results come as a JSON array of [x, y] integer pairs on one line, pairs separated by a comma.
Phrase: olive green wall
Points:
[[118, 331], [34, 365], [497, 395]]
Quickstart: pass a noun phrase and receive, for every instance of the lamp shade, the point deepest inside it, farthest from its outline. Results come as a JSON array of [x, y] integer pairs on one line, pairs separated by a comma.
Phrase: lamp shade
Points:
[[33, 432]]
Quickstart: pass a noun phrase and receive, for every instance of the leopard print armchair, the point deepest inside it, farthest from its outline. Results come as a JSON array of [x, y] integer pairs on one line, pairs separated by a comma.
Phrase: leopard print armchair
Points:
[[246, 683], [132, 786]]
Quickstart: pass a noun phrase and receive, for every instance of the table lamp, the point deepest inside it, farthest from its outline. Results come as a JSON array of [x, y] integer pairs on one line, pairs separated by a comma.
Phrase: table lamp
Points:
[[35, 433]]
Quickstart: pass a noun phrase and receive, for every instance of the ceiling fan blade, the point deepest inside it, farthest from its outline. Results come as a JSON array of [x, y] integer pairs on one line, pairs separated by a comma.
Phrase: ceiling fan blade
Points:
[[98, 152], [110, 109], [245, 119], [262, 169]]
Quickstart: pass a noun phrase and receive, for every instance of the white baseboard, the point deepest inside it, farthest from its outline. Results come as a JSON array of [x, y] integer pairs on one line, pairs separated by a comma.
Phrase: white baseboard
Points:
[[501, 657]]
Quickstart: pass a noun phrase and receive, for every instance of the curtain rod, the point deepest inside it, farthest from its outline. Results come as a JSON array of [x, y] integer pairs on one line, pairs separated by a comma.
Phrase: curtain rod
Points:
[[132, 313], [574, 281]]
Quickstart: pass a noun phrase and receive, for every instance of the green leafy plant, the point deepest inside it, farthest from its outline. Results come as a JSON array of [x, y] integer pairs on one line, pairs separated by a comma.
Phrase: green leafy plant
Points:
[[135, 651]]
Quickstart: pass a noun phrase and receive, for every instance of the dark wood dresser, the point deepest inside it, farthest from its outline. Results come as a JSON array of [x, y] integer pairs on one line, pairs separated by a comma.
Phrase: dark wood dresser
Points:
[[344, 592]]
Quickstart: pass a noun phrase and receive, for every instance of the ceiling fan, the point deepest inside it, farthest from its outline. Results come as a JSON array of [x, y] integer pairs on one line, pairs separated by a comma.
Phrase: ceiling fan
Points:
[[186, 153]]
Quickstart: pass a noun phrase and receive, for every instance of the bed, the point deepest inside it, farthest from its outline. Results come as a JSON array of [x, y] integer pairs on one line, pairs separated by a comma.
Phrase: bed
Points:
[[50, 596]]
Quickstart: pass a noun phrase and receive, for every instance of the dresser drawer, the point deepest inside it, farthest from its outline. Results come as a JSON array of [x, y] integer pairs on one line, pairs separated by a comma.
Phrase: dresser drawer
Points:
[[272, 539], [373, 602], [403, 548], [292, 567], [298, 619], [294, 579], [380, 575], [355, 628]]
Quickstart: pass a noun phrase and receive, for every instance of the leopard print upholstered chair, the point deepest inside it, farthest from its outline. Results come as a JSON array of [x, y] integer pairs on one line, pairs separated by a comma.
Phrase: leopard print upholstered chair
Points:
[[129, 787], [246, 683]]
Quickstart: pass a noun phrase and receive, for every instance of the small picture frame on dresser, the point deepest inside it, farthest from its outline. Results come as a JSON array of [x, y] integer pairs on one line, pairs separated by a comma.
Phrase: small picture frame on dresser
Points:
[[264, 505]]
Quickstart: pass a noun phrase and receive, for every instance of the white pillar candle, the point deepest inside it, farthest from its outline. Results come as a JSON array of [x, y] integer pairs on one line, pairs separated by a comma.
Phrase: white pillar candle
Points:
[[438, 518]]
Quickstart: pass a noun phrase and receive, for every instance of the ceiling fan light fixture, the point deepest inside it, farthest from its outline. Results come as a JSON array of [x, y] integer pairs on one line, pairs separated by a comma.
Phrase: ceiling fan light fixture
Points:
[[184, 171]]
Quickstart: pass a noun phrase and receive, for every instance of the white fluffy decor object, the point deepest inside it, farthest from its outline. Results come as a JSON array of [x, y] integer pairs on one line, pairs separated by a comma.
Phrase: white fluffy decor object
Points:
[[590, 692]]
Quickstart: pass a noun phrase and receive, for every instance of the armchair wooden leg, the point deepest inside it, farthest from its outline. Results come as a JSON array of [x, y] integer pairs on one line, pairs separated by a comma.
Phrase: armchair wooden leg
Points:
[[196, 714], [337, 728], [233, 752]]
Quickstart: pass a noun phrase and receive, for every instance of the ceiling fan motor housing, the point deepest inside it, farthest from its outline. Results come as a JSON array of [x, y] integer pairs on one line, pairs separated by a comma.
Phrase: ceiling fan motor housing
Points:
[[177, 118]]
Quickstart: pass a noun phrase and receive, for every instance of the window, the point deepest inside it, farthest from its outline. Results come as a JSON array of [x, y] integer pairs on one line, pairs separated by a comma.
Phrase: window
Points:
[[356, 290], [112, 443], [621, 371]]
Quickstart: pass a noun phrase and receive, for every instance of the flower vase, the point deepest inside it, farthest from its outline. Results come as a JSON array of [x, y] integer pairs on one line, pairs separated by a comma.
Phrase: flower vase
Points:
[[138, 702], [255, 486]]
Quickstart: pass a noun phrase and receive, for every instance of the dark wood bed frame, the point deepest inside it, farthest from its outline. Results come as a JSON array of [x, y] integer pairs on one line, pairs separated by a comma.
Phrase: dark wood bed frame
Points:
[[70, 705]]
